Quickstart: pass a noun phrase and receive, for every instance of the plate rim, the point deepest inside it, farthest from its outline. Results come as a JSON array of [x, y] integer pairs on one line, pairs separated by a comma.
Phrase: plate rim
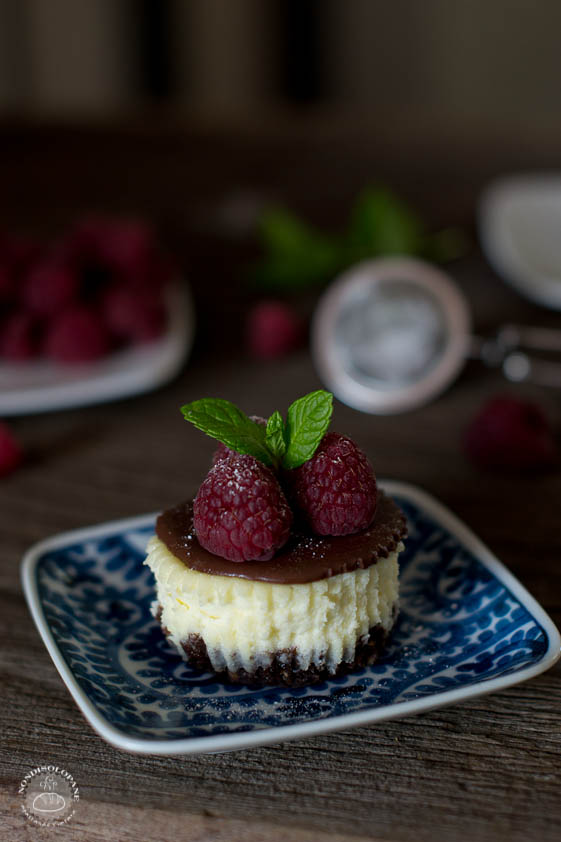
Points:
[[282, 733]]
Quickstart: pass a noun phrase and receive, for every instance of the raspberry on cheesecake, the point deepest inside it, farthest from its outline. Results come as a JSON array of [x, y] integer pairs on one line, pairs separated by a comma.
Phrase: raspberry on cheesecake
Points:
[[266, 594], [335, 490], [240, 511]]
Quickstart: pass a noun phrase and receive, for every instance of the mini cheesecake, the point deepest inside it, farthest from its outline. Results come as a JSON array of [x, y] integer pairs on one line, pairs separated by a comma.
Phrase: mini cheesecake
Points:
[[321, 606]]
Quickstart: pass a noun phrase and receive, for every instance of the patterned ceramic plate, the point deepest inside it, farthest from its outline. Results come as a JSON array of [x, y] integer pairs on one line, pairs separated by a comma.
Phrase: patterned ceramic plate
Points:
[[466, 627]]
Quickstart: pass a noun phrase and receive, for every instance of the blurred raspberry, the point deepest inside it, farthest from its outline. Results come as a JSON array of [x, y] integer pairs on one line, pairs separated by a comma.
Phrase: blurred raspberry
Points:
[[273, 329], [18, 338], [240, 511], [78, 246], [17, 257], [128, 248], [50, 288], [8, 284], [125, 248], [511, 434], [77, 335], [135, 315], [106, 249], [11, 453], [335, 491]]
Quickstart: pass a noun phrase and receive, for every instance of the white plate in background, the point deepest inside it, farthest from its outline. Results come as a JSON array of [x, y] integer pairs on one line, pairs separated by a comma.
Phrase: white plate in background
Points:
[[45, 386], [519, 221]]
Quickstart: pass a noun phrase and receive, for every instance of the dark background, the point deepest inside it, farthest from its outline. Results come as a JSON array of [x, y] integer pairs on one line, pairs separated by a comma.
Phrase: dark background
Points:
[[179, 112]]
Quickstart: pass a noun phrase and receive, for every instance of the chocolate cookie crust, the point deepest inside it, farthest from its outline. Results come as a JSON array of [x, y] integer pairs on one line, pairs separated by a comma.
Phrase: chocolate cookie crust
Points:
[[283, 669], [305, 558]]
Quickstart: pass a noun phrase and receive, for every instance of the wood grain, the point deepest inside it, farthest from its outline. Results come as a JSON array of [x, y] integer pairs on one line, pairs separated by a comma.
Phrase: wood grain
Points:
[[95, 822], [488, 769]]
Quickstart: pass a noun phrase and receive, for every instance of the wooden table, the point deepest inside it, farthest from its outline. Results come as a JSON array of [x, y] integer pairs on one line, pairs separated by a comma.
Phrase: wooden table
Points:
[[488, 769]]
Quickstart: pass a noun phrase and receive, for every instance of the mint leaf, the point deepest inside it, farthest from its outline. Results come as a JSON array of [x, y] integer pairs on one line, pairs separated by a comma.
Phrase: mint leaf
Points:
[[307, 421], [222, 420], [289, 445], [274, 436], [295, 254], [282, 232], [382, 224]]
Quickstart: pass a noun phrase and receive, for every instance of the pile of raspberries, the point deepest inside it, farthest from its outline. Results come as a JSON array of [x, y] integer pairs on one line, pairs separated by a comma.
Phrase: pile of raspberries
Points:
[[243, 511], [98, 288]]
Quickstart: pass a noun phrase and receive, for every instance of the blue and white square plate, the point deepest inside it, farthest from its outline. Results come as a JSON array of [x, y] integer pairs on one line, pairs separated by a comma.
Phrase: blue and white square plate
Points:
[[466, 627]]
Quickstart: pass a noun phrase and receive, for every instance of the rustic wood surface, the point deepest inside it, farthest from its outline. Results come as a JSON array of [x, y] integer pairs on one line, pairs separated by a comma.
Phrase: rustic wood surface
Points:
[[488, 769]]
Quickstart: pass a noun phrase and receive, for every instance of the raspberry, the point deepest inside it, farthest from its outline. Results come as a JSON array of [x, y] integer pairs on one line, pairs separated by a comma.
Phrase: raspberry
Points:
[[335, 491], [77, 335], [7, 284], [17, 255], [11, 453], [136, 315], [50, 288], [240, 511], [511, 434], [18, 337], [222, 450], [273, 329], [78, 246], [127, 247]]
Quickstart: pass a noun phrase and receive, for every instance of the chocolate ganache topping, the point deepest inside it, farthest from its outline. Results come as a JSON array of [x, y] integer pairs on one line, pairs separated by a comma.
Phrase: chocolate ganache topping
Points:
[[304, 558]]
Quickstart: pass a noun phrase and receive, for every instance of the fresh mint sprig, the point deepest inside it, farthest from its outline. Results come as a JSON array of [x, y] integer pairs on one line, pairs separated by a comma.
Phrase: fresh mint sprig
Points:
[[308, 419], [274, 436], [280, 444], [296, 255], [223, 421]]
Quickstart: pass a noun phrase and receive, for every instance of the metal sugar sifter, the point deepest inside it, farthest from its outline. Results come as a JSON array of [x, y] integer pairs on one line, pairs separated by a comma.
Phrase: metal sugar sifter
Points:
[[391, 334]]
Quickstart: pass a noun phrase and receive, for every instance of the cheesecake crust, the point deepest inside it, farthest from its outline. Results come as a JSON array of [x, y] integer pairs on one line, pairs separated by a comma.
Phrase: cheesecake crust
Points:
[[283, 669]]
